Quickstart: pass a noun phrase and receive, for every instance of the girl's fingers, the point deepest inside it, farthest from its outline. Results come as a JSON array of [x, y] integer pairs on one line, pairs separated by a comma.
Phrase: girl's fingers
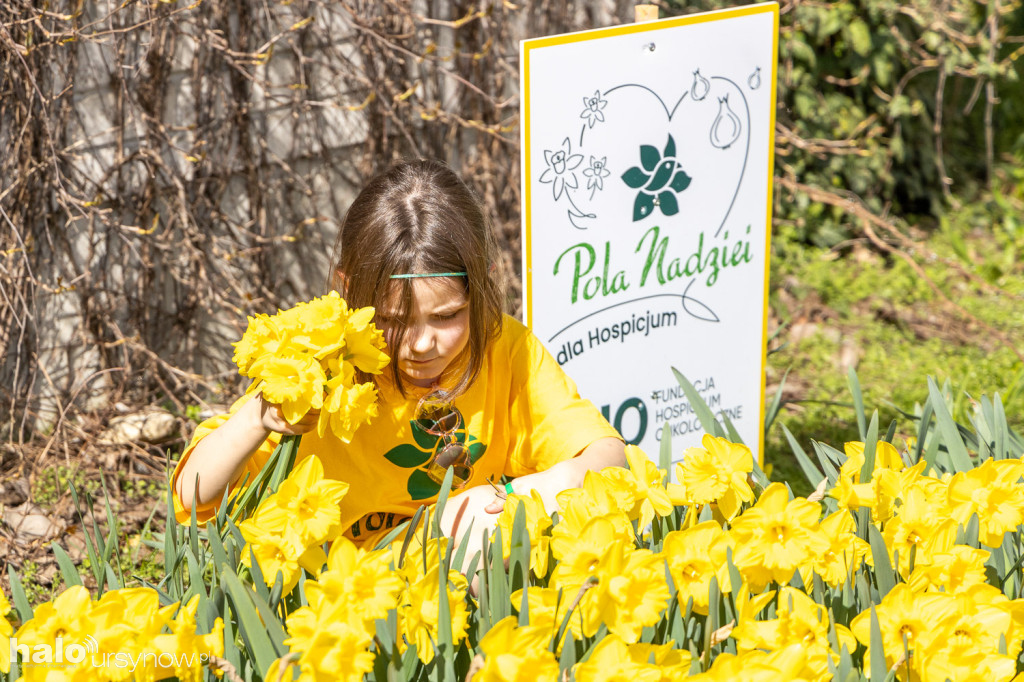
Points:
[[496, 506]]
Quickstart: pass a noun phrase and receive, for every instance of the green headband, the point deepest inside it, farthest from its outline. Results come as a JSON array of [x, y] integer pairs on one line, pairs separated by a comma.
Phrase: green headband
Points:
[[429, 274]]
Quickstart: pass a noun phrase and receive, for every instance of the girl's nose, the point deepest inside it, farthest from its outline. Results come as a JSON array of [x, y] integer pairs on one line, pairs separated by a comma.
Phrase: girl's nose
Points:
[[420, 339]]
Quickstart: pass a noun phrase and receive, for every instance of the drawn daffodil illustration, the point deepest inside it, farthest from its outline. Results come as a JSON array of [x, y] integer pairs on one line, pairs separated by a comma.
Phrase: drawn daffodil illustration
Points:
[[592, 108], [596, 174], [659, 178], [561, 164]]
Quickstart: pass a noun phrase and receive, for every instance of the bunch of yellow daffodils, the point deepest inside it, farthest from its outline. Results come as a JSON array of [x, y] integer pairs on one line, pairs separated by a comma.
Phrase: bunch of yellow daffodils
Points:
[[306, 358]]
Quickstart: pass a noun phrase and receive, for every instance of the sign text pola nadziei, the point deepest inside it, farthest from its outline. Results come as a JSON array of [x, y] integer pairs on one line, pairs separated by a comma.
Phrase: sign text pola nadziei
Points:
[[647, 215]]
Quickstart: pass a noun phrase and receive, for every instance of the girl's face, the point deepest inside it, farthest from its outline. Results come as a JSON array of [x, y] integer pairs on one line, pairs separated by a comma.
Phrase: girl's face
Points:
[[437, 329]]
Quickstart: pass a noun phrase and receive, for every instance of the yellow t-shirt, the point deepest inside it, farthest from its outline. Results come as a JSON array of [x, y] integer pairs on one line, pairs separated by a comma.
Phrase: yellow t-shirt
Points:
[[522, 415]]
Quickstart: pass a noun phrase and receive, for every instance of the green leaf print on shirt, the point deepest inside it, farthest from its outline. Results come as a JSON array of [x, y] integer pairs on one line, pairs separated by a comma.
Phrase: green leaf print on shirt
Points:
[[418, 454], [407, 456]]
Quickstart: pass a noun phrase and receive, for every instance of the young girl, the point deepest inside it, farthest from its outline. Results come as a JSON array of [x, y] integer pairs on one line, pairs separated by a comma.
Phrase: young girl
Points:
[[467, 386]]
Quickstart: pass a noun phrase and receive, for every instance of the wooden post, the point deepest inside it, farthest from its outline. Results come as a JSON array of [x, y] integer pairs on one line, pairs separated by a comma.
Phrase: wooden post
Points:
[[646, 12]]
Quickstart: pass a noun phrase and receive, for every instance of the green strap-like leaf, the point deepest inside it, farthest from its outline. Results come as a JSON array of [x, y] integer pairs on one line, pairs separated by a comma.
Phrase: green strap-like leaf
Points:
[[445, 638], [879, 670], [775, 406], [959, 459], [67, 567], [665, 454], [884, 572], [811, 472], [253, 630], [858, 403], [704, 413], [870, 447], [18, 596], [442, 500]]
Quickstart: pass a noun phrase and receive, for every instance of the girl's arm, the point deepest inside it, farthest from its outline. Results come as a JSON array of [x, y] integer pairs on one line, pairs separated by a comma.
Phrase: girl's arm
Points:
[[220, 457], [569, 473]]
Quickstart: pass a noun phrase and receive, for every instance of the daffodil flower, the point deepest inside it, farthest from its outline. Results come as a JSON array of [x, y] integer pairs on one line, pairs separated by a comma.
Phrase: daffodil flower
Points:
[[516, 652], [418, 612], [631, 593], [993, 492], [592, 108], [776, 537], [596, 173], [310, 502], [332, 649], [561, 164], [695, 555], [610, 660], [650, 497], [846, 552], [799, 621], [907, 620], [716, 472]]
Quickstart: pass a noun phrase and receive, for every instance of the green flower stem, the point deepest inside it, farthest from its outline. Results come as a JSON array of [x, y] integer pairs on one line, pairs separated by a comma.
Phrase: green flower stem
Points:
[[269, 479]]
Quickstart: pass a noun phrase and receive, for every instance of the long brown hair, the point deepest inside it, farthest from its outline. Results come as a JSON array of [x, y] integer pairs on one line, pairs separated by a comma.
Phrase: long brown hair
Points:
[[419, 217]]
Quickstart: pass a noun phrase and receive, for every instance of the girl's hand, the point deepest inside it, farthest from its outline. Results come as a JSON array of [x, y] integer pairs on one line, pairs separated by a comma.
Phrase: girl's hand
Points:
[[603, 452], [548, 483], [272, 419]]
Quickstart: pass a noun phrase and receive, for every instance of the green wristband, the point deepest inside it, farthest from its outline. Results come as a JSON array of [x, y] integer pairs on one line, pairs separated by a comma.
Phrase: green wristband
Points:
[[508, 488]]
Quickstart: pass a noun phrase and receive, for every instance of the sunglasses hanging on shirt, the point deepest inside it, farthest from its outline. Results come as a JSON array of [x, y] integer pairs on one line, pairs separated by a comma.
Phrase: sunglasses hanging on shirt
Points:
[[437, 415]]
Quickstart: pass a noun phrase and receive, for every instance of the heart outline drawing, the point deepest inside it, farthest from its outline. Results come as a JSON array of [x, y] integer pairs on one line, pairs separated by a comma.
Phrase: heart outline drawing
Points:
[[656, 173]]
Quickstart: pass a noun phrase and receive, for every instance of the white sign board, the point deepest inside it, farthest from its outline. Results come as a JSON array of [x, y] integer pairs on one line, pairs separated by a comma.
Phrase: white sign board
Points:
[[647, 215]]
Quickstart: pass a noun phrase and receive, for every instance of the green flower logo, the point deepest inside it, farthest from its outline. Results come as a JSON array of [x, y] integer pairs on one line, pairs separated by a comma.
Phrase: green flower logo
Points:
[[418, 455], [659, 178]]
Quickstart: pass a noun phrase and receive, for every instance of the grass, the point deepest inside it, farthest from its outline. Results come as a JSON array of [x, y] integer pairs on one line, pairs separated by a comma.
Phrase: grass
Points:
[[35, 592], [53, 484]]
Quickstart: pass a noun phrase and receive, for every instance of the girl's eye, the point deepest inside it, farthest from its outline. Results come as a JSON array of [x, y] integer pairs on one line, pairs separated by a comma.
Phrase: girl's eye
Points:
[[446, 316]]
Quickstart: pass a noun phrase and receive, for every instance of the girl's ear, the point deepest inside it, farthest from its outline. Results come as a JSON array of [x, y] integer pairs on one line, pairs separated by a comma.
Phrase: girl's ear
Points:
[[339, 281]]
